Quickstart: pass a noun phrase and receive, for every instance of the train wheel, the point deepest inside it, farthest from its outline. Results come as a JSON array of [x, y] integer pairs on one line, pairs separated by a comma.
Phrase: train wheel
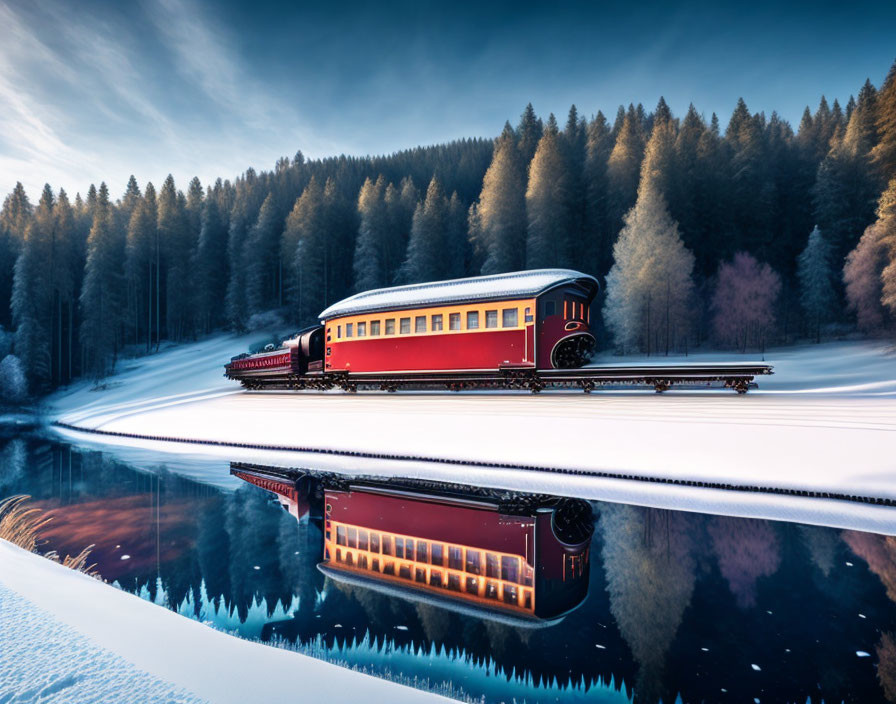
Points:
[[573, 352]]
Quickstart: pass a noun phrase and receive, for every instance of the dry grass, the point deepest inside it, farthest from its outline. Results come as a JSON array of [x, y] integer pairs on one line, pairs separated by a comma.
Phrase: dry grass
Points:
[[21, 525]]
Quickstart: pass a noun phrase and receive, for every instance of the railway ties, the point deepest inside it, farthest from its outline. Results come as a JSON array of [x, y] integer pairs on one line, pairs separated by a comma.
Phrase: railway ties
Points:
[[737, 377]]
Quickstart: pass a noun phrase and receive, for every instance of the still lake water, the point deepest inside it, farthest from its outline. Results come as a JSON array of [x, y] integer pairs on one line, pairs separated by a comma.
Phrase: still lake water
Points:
[[679, 605]]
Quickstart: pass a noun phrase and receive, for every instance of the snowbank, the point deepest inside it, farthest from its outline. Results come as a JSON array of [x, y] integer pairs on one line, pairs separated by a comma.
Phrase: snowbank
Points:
[[67, 637], [824, 422]]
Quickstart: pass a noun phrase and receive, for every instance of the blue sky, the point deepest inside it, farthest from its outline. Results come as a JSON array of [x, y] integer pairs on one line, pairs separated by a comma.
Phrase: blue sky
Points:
[[94, 91]]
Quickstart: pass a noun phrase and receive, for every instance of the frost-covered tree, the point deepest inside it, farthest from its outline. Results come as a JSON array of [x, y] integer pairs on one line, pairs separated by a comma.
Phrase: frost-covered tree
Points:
[[549, 216], [649, 289], [884, 152], [140, 263], [743, 303], [14, 218], [13, 384], [886, 224], [501, 211], [101, 294], [817, 295], [862, 277], [178, 246]]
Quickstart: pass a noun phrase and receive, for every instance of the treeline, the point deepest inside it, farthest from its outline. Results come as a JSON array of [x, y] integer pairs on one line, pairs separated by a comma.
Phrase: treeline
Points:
[[739, 235]]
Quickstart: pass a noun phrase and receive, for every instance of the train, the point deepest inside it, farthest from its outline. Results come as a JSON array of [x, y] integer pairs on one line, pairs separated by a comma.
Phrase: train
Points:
[[520, 330], [518, 558]]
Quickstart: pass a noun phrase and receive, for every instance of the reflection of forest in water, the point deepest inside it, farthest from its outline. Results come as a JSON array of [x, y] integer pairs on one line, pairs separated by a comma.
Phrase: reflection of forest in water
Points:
[[678, 603]]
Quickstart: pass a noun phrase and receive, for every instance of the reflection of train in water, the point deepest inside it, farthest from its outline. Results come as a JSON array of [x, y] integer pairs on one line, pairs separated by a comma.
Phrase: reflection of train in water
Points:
[[493, 552]]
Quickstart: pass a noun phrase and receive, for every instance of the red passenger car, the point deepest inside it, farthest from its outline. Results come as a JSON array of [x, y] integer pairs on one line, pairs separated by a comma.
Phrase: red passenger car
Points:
[[516, 555], [530, 320]]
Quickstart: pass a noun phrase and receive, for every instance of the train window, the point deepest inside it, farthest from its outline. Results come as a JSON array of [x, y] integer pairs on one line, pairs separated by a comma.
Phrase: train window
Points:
[[340, 536], [348, 329], [474, 562], [437, 322], [389, 568], [527, 576], [338, 555], [435, 578], [421, 551], [353, 537], [472, 319], [404, 571], [455, 558], [374, 327], [437, 557], [362, 540], [408, 549], [510, 569], [509, 318], [420, 575], [472, 585], [338, 332], [420, 323], [362, 329], [550, 308], [454, 582], [491, 590], [510, 594], [374, 542], [404, 326], [387, 545], [390, 326], [492, 566], [349, 558], [454, 321], [362, 561], [375, 564], [399, 547], [491, 318], [527, 599]]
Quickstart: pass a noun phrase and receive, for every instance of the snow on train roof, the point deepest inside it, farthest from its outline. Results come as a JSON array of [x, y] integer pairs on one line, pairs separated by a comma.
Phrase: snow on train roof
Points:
[[477, 288]]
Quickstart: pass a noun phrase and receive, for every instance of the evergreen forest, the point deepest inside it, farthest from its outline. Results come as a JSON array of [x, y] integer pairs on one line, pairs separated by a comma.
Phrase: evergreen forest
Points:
[[732, 233]]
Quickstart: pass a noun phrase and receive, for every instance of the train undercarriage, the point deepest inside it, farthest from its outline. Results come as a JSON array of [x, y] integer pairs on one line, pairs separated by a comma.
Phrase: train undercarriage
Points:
[[737, 377]]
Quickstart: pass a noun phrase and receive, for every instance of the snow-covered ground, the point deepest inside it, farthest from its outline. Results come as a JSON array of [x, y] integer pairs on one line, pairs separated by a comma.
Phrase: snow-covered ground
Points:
[[65, 637], [824, 422]]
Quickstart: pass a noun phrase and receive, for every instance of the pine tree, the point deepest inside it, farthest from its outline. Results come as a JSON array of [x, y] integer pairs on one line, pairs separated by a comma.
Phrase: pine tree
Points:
[[370, 258], [32, 299], [401, 203], [177, 249], [140, 262], [101, 295], [305, 235], [458, 263], [548, 237], [65, 271], [528, 133], [428, 252], [846, 188], [263, 286], [248, 197], [211, 267], [501, 211], [597, 245], [623, 170], [342, 229], [649, 289], [817, 295], [14, 218], [884, 153]]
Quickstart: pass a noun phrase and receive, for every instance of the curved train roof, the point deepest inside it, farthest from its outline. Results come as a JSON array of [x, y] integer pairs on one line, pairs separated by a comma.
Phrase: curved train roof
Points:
[[519, 284]]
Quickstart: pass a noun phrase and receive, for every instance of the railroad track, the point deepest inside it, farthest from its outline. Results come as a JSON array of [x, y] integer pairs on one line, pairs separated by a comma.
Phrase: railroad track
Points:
[[738, 377], [723, 486]]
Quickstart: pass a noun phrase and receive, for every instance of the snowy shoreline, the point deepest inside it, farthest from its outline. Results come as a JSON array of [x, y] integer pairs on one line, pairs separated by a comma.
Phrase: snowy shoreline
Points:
[[69, 637], [824, 423]]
